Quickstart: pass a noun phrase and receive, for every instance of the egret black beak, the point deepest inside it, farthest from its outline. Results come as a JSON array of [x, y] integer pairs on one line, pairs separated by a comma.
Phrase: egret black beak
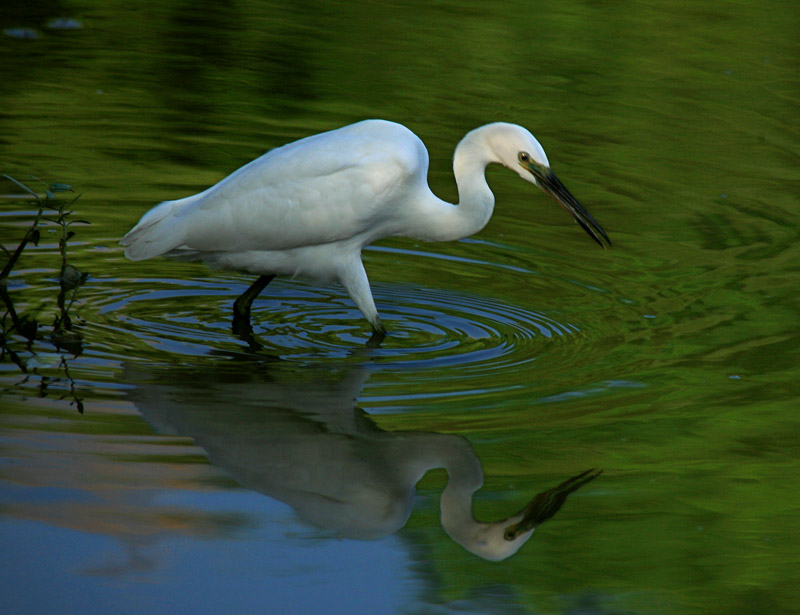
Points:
[[548, 503], [548, 181]]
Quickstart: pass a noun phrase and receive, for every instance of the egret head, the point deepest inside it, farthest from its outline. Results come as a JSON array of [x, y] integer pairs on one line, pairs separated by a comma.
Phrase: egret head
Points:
[[498, 540], [508, 142], [516, 148], [495, 541]]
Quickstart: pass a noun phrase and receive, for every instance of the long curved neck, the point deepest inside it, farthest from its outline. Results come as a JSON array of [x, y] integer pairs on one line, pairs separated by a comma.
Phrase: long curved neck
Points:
[[443, 221], [465, 477]]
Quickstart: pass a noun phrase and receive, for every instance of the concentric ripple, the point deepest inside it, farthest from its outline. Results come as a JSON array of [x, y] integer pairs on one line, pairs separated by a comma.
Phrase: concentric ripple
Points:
[[295, 320]]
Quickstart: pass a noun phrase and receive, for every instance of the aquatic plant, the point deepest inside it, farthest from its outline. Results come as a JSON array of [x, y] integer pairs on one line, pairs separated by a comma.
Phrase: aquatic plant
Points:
[[19, 331]]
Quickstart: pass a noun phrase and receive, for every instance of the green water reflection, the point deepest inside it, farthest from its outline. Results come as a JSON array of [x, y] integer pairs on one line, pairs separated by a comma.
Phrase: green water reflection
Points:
[[670, 361]]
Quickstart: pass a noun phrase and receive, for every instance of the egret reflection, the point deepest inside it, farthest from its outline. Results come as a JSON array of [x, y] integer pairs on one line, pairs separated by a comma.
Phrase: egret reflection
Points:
[[298, 436]]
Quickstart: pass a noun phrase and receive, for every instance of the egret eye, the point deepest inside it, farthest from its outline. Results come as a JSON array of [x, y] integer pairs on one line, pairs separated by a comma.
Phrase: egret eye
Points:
[[524, 157]]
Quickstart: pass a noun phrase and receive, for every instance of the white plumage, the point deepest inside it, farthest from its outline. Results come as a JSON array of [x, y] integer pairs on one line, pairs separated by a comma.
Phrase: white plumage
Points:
[[309, 207]]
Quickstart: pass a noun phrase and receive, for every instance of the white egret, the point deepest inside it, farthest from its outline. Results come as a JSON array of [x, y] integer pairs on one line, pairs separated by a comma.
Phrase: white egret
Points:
[[309, 208]]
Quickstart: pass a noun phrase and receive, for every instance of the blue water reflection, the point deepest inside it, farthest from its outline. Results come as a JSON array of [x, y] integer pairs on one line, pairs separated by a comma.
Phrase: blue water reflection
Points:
[[173, 574], [144, 522], [301, 439]]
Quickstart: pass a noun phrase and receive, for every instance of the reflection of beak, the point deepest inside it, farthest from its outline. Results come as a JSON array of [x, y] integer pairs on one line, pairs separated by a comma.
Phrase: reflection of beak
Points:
[[547, 503], [548, 181]]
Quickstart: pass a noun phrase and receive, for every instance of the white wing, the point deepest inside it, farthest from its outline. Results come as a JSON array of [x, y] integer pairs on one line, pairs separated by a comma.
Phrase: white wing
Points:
[[329, 187]]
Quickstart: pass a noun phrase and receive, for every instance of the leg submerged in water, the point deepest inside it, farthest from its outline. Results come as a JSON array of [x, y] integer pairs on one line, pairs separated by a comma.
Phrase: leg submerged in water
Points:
[[378, 335], [355, 281], [241, 311], [241, 307], [358, 288]]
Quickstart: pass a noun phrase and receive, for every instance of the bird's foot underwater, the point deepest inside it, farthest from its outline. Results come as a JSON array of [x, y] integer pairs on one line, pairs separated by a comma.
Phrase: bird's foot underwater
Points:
[[243, 329], [378, 335]]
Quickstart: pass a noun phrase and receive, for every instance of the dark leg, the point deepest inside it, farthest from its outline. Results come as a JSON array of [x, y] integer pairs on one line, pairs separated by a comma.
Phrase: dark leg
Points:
[[241, 307], [378, 335], [241, 311]]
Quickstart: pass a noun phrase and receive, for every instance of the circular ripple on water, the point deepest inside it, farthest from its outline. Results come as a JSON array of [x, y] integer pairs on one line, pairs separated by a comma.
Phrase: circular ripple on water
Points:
[[296, 320]]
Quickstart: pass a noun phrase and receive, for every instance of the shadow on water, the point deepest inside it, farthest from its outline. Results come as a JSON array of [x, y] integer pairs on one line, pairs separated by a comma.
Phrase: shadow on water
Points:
[[297, 435]]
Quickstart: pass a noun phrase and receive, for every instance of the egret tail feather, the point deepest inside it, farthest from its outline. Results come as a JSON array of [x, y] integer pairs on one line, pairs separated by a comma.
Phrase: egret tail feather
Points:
[[158, 232]]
